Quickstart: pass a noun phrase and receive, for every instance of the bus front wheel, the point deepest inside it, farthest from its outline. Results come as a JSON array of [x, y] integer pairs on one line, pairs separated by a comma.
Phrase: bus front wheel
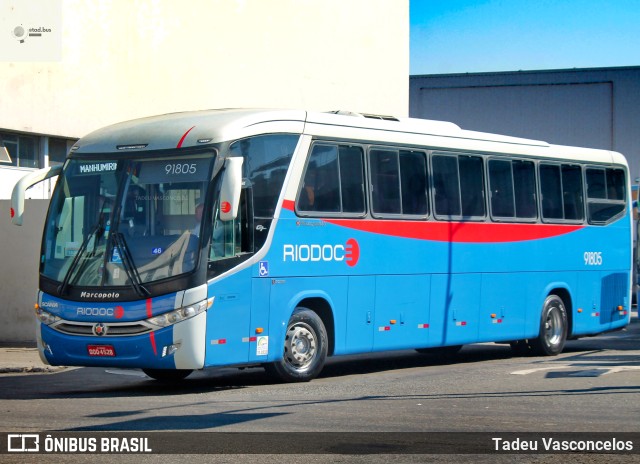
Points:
[[553, 328], [305, 348]]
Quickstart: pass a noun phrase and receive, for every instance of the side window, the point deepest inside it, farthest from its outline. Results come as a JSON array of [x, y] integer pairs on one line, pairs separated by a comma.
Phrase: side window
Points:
[[501, 186], [458, 183], [398, 182], [561, 190], [572, 192], [446, 185], [606, 194], [351, 179], [385, 181], [472, 186], [333, 181], [524, 183], [266, 161], [231, 239], [551, 191], [513, 189], [413, 182]]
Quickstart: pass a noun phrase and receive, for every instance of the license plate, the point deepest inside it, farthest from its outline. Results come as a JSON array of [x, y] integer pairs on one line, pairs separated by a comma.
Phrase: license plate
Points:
[[101, 350]]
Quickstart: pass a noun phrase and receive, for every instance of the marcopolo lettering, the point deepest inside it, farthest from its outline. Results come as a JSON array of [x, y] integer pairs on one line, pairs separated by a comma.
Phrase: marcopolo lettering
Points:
[[102, 295]]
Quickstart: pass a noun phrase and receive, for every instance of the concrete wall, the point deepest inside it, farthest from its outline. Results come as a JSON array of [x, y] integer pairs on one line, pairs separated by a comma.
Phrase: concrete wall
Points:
[[596, 108], [123, 59], [19, 283]]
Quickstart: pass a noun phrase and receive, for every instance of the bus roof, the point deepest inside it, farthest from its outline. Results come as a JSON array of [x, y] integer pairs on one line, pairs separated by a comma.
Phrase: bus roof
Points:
[[199, 128]]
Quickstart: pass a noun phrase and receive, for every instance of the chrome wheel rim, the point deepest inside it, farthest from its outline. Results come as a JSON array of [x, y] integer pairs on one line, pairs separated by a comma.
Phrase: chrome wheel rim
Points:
[[553, 326], [300, 346]]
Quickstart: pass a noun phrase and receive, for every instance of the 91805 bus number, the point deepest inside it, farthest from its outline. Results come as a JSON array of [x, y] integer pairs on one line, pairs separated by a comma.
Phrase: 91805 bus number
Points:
[[180, 168], [593, 258]]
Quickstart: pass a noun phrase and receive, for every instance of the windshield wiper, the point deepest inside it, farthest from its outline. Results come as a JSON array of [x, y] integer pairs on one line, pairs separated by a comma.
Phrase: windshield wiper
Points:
[[129, 265], [96, 232]]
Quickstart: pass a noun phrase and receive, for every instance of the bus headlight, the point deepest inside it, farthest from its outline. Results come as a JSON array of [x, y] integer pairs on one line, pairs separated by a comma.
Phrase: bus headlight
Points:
[[178, 315], [46, 317]]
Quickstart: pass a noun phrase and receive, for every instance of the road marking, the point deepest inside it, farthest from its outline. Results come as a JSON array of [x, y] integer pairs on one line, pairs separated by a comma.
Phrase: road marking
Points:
[[591, 371]]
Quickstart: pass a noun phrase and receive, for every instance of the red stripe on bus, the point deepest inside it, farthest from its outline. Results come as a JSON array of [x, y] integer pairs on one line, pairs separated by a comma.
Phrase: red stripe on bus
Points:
[[464, 232], [152, 338], [184, 137], [149, 311]]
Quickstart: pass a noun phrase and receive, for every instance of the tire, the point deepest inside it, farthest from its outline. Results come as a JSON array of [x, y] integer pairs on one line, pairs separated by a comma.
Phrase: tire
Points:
[[167, 375], [553, 328], [305, 348]]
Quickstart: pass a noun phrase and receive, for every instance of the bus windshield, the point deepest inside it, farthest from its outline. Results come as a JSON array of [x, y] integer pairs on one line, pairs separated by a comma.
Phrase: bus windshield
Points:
[[126, 221]]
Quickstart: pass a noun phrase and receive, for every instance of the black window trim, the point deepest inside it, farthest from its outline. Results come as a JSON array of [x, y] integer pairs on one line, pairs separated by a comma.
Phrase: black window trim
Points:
[[488, 217], [369, 182], [332, 214], [460, 217], [561, 163], [515, 219], [624, 202]]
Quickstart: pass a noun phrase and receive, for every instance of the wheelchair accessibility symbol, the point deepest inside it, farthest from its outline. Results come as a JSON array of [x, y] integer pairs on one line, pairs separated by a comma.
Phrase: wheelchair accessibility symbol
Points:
[[263, 268]]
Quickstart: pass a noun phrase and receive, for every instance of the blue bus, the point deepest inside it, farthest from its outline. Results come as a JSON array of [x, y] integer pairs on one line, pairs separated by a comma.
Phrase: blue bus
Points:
[[281, 237]]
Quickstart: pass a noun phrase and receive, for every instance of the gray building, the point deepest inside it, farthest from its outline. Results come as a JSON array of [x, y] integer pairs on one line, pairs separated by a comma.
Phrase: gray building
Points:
[[597, 108]]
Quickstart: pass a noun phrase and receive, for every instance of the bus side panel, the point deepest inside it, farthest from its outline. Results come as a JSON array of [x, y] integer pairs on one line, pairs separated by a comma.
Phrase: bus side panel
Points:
[[614, 300], [360, 314], [454, 308], [288, 293], [258, 336], [228, 320], [402, 311], [586, 314], [503, 307]]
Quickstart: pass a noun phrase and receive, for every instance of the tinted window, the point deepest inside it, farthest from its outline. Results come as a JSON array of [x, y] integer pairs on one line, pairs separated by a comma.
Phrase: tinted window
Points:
[[572, 195], [398, 182], [459, 186], [351, 179], [561, 189], [385, 181], [413, 178], [606, 194], [501, 184], [446, 185], [471, 185], [524, 184], [267, 159], [551, 191], [333, 181]]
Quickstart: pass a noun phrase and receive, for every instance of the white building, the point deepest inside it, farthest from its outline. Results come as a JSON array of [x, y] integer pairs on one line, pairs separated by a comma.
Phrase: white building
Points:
[[109, 61], [68, 67]]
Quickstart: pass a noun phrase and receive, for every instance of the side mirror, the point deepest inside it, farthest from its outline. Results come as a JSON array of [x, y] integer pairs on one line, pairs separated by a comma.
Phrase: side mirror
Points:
[[231, 188], [17, 196]]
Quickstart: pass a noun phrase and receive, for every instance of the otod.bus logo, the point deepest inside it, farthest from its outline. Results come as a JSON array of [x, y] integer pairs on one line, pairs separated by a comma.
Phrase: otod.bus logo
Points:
[[349, 252]]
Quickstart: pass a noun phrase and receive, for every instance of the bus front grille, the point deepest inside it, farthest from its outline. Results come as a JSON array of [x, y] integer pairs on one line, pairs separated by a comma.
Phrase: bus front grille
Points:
[[121, 329]]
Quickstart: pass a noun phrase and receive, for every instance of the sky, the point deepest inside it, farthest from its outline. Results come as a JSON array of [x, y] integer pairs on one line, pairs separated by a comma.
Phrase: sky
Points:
[[460, 36]]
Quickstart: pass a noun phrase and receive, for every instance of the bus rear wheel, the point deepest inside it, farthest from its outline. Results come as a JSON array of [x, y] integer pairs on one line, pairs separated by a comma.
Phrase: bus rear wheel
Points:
[[553, 328], [305, 348], [167, 375]]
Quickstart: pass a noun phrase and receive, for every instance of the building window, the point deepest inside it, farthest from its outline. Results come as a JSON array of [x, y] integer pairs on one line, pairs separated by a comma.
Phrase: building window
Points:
[[23, 149], [57, 151]]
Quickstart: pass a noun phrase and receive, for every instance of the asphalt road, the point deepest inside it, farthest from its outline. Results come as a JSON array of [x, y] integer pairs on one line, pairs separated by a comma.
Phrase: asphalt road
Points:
[[594, 386]]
